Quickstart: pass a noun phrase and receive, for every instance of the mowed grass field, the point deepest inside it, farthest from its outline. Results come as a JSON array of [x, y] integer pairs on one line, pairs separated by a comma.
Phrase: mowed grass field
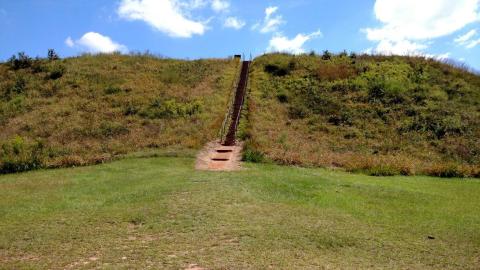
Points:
[[159, 213]]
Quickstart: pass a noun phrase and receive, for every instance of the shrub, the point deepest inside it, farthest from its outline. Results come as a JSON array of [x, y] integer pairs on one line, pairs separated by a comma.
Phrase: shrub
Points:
[[111, 129], [38, 66], [382, 170], [277, 70], [130, 109], [387, 90], [253, 156], [18, 156], [326, 55], [19, 86], [20, 62], [344, 53], [111, 90], [321, 102], [341, 118], [56, 72], [13, 106], [52, 55], [437, 124], [171, 109], [298, 111], [11, 89], [282, 97], [446, 171], [67, 161], [476, 172]]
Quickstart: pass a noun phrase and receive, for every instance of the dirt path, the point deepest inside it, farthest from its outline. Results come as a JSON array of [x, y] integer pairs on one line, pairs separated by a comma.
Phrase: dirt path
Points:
[[215, 157]]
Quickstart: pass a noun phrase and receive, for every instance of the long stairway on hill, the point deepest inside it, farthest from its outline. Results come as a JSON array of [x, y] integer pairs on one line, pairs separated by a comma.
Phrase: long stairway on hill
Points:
[[237, 105]]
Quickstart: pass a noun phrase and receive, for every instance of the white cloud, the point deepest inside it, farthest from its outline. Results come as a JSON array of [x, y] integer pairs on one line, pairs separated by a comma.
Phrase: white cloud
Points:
[[69, 42], [427, 19], [164, 15], [270, 10], [96, 43], [399, 47], [220, 5], [473, 44], [193, 4], [270, 22], [280, 43], [235, 23], [444, 56], [466, 37], [407, 24], [467, 40]]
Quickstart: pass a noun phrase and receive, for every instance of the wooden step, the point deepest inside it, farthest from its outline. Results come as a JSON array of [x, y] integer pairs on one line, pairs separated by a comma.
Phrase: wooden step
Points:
[[222, 156], [224, 149]]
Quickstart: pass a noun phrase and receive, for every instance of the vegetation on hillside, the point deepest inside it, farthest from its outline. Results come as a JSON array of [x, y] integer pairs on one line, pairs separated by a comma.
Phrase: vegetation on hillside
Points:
[[383, 115], [159, 213], [89, 109]]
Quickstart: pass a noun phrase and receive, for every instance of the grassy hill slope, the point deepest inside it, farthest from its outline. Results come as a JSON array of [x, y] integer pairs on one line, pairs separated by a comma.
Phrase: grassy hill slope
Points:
[[159, 213], [380, 115], [90, 109]]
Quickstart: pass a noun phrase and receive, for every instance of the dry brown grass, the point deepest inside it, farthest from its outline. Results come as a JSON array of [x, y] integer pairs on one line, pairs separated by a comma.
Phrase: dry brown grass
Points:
[[107, 106], [338, 122]]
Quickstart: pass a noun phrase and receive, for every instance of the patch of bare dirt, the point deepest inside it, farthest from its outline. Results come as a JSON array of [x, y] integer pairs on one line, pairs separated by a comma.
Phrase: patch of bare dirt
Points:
[[206, 158], [194, 267]]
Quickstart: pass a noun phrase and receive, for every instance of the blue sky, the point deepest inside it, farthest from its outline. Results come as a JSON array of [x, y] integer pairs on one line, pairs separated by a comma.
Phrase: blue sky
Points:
[[219, 28]]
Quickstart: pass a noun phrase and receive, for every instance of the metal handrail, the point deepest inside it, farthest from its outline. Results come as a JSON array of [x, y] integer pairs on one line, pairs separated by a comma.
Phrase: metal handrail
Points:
[[237, 120], [230, 101]]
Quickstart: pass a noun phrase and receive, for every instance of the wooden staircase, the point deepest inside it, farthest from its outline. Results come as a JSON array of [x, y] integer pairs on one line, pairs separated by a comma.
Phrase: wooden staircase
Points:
[[236, 108], [225, 154]]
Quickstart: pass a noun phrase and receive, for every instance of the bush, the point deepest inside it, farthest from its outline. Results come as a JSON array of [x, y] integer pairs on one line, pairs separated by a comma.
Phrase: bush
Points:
[[298, 111], [130, 109], [111, 129], [19, 86], [38, 66], [326, 55], [67, 161], [52, 55], [282, 97], [56, 72], [277, 70], [382, 170], [10, 90], [437, 124], [253, 156], [446, 171], [171, 109], [341, 118], [18, 156], [20, 62], [387, 90], [111, 90]]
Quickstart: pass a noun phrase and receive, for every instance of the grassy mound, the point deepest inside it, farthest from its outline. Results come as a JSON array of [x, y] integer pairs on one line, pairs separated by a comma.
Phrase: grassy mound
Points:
[[90, 109], [380, 115]]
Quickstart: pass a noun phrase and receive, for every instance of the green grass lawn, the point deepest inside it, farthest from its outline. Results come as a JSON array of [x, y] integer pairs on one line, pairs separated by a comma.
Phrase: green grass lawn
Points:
[[160, 213]]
